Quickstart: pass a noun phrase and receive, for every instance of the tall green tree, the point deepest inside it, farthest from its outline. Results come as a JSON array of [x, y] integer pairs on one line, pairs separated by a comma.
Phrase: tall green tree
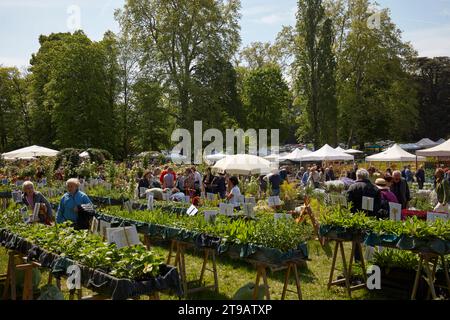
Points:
[[266, 99], [176, 35], [433, 82], [316, 70]]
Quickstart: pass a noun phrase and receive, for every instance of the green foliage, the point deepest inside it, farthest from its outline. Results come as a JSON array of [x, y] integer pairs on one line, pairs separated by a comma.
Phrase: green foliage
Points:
[[283, 234], [392, 258], [136, 262]]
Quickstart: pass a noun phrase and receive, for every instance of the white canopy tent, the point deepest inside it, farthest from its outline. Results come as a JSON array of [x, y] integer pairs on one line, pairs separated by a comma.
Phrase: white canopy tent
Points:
[[440, 141], [30, 153], [339, 149], [394, 154], [442, 150], [296, 155], [327, 153], [353, 151], [215, 157], [84, 155], [426, 143], [243, 164]]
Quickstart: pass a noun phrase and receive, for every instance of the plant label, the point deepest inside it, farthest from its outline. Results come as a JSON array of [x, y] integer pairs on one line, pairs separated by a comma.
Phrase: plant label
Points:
[[150, 200], [249, 210], [433, 216], [19, 183], [35, 216], [250, 200], [187, 199], [142, 191], [226, 209], [103, 227], [210, 216], [395, 211], [274, 201], [367, 203], [129, 206], [95, 225], [44, 181], [192, 211], [210, 196], [17, 196], [123, 236], [5, 181]]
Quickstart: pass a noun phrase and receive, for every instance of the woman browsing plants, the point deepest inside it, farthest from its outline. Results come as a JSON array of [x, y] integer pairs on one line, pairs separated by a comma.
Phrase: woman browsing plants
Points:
[[30, 198], [443, 192]]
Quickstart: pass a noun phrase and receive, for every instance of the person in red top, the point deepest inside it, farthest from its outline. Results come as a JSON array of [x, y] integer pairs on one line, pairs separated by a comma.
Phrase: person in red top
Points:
[[164, 172]]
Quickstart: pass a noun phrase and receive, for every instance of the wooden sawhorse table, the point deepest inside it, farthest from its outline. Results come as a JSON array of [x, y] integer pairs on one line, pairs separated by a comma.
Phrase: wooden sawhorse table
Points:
[[347, 269], [179, 248], [425, 260]]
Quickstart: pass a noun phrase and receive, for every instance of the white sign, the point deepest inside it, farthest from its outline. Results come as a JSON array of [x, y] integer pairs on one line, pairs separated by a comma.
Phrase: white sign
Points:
[[95, 225], [250, 200], [103, 227], [17, 196], [129, 206], [123, 236], [433, 216], [367, 203], [210, 216], [274, 201], [192, 211], [248, 210], [210, 196], [24, 213], [142, 191], [35, 216], [395, 211], [226, 209], [150, 200]]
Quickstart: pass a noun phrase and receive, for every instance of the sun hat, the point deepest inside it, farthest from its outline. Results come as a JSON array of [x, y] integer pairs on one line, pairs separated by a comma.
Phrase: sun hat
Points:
[[381, 183]]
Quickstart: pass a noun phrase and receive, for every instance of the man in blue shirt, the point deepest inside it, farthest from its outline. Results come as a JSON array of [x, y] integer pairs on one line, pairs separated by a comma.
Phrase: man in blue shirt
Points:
[[68, 206]]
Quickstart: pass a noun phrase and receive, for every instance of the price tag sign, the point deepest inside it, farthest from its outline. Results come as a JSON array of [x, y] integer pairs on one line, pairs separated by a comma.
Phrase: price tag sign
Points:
[[249, 210], [150, 201], [210, 216], [142, 191], [367, 203], [95, 225], [123, 236], [24, 213], [250, 200], [433, 216], [192, 211], [35, 216], [44, 181], [395, 211], [226, 209], [274, 201], [19, 183], [129, 206]]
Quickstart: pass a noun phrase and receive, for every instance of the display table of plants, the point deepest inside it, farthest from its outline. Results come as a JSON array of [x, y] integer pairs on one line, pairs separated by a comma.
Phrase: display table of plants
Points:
[[263, 238], [429, 242], [122, 273]]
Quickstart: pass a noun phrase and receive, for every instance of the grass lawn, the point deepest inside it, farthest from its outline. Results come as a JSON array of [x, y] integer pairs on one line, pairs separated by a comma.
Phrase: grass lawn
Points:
[[234, 274]]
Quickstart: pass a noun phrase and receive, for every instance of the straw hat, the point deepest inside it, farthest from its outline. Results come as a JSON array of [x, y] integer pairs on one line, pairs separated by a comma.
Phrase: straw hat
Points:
[[381, 184]]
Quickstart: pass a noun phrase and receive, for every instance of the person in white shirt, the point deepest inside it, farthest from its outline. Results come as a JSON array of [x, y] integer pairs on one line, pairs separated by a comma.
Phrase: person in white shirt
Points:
[[235, 193], [197, 180]]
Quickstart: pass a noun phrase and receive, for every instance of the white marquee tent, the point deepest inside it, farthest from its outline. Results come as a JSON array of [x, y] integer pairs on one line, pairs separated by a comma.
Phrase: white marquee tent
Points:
[[296, 155], [243, 164], [442, 150], [426, 143], [327, 153], [30, 153], [353, 151], [394, 154]]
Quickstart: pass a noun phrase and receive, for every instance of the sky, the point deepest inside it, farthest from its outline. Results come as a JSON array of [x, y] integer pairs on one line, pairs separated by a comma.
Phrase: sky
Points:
[[425, 23]]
